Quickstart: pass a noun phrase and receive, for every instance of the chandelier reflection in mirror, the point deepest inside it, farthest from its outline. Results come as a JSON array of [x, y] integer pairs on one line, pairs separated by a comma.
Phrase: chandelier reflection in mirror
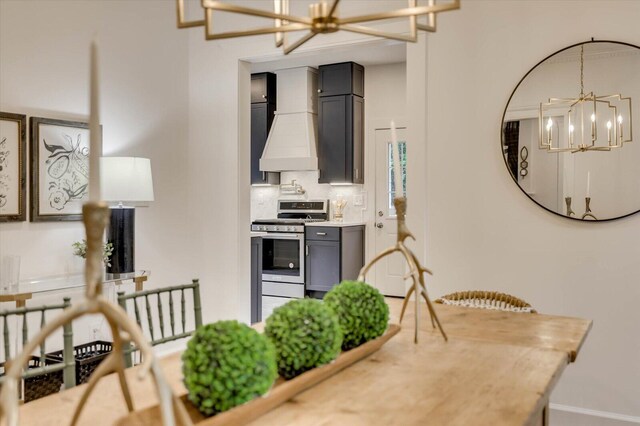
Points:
[[594, 123], [578, 181], [322, 19]]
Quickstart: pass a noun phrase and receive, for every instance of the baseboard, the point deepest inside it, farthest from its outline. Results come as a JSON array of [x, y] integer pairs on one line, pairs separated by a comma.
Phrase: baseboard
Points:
[[604, 418]]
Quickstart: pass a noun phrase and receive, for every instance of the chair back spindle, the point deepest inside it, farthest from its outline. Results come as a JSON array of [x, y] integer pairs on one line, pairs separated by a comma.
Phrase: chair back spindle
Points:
[[163, 333]]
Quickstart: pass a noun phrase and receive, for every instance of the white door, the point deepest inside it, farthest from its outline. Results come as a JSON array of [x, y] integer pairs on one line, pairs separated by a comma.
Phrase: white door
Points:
[[390, 270]]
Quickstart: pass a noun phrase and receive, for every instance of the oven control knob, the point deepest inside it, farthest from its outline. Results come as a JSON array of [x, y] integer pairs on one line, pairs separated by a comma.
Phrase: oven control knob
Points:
[[291, 228], [275, 228]]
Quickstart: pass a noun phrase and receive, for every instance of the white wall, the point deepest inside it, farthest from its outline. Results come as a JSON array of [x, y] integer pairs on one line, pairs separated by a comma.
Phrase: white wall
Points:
[[483, 233], [44, 69]]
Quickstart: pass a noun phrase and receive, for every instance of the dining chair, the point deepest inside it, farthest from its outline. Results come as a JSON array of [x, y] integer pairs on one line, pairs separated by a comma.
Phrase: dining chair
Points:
[[152, 304], [42, 376], [486, 300]]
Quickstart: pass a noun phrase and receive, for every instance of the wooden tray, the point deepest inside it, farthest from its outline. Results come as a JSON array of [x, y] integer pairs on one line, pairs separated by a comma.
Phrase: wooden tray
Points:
[[282, 391]]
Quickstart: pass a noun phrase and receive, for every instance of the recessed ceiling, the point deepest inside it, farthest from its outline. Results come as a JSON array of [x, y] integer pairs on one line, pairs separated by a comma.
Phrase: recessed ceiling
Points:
[[376, 52]]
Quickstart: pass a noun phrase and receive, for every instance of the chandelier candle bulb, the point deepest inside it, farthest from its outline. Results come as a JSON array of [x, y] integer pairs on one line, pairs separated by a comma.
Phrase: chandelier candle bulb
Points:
[[588, 184], [397, 168], [620, 127], [549, 131], [95, 142], [609, 131]]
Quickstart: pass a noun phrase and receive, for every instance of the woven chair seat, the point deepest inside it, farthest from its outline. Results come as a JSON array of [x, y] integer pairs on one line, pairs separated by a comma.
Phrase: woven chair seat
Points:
[[487, 300]]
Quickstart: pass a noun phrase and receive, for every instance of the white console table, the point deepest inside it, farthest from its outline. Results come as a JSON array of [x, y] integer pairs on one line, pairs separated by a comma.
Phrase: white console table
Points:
[[28, 288]]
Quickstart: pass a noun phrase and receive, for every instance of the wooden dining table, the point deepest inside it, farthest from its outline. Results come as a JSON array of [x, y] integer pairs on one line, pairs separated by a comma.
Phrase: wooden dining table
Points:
[[497, 368]]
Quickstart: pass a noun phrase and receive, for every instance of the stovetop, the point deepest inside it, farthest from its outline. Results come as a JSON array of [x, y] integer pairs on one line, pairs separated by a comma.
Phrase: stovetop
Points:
[[292, 215], [282, 225]]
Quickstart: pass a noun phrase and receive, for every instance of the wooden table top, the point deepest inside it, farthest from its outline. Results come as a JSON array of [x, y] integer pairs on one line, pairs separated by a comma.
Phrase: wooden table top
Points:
[[535, 330], [459, 382], [490, 372]]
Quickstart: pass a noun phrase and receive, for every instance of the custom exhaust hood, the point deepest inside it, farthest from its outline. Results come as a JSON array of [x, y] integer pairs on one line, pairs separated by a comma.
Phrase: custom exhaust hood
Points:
[[292, 141]]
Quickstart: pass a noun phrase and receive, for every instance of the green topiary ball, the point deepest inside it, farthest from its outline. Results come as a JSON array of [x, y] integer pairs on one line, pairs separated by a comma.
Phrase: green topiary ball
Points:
[[227, 364], [361, 310], [305, 333]]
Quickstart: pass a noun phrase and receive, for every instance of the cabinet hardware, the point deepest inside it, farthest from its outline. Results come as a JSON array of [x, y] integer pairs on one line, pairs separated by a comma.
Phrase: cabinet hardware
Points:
[[321, 233], [264, 96], [264, 175], [319, 90], [379, 225], [306, 250], [357, 173]]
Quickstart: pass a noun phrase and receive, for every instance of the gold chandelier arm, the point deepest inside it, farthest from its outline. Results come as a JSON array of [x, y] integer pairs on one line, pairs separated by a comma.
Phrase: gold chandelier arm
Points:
[[369, 31], [258, 31], [218, 5], [430, 26], [280, 7], [298, 43], [334, 6], [401, 13], [413, 20], [181, 22]]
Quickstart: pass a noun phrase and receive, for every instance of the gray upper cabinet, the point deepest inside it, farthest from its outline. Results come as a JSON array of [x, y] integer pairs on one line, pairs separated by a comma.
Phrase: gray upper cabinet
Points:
[[346, 78], [263, 91], [332, 255], [263, 88], [341, 124]]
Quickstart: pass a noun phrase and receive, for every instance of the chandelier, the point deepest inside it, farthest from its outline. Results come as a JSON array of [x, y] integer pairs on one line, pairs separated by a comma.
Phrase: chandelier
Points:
[[322, 19], [593, 123]]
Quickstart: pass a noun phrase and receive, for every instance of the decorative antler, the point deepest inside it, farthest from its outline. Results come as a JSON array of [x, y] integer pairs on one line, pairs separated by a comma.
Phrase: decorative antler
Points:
[[416, 270]]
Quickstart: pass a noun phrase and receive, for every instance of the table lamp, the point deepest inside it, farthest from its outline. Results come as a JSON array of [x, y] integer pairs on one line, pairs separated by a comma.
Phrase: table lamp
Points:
[[126, 183]]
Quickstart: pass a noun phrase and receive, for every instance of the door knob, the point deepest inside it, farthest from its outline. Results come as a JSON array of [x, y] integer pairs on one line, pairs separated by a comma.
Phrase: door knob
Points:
[[380, 213], [379, 225]]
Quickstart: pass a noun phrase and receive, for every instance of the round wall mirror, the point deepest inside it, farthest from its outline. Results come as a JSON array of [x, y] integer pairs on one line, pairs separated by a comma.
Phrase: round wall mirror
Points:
[[567, 131]]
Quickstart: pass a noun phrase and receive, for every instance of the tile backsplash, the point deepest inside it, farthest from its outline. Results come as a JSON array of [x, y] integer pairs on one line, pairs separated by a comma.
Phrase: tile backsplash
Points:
[[264, 198]]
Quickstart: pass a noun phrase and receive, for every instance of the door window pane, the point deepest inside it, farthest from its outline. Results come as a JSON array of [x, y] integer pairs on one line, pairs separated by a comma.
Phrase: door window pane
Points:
[[391, 175]]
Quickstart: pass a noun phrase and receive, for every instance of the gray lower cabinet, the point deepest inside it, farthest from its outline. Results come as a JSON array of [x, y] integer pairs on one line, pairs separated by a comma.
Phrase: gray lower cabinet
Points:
[[333, 254], [256, 279]]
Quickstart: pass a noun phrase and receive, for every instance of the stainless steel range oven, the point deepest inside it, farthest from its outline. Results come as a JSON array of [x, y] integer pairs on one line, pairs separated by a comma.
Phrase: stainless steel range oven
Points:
[[283, 251], [283, 257]]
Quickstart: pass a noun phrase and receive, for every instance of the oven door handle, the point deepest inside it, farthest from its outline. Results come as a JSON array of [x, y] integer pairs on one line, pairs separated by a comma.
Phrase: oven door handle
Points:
[[283, 236]]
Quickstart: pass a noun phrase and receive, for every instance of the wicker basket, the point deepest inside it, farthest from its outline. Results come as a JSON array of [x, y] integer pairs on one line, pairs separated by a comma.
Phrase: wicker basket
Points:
[[87, 356], [41, 385]]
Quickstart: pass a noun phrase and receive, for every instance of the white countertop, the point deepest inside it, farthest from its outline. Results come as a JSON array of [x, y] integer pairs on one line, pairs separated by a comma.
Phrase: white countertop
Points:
[[336, 224]]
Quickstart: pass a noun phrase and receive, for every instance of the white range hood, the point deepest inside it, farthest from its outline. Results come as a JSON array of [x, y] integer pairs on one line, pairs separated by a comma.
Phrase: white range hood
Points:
[[292, 141]]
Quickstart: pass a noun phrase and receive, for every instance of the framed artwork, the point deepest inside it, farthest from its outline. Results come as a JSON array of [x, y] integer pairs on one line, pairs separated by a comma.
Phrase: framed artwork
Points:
[[13, 167], [59, 169]]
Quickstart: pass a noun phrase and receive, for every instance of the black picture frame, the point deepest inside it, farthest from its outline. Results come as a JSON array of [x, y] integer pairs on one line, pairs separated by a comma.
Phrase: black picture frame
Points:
[[59, 183], [16, 178]]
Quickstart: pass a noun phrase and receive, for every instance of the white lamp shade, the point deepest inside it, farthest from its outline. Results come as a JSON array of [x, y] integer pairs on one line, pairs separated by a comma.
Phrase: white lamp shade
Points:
[[126, 179]]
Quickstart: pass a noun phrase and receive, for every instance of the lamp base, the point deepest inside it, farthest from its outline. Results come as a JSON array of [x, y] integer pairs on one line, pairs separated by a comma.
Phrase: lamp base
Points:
[[122, 236]]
